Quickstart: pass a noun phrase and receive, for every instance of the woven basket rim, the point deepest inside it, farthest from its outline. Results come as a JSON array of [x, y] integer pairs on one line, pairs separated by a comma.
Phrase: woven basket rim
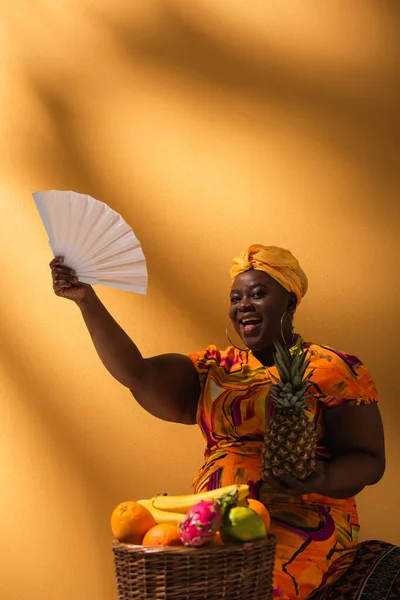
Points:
[[186, 550]]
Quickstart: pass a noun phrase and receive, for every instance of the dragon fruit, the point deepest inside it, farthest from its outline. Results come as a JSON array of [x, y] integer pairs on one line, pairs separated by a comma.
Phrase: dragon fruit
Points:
[[200, 523]]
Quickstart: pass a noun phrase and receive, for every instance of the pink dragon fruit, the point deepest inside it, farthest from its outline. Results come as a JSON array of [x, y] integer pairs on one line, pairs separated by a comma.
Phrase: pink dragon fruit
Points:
[[200, 523]]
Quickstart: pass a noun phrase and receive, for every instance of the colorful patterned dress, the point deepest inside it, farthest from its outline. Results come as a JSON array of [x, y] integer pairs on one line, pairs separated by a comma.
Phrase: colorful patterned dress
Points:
[[315, 534]]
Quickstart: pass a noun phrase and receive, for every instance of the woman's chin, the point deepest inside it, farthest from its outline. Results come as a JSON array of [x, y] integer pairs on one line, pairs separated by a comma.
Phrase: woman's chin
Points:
[[254, 344], [257, 345]]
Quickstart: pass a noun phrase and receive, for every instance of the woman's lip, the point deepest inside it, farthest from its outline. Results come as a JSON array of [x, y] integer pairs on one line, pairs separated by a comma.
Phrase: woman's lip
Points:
[[250, 327]]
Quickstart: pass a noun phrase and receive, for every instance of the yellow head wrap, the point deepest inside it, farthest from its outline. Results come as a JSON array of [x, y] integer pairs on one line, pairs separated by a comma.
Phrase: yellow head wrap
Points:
[[277, 262]]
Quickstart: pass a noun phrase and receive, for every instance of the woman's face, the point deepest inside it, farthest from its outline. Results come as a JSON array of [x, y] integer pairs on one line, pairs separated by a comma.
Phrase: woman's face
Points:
[[257, 303]]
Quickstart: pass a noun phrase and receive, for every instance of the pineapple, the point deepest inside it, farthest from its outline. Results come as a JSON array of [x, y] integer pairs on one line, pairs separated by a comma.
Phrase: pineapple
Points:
[[290, 439]]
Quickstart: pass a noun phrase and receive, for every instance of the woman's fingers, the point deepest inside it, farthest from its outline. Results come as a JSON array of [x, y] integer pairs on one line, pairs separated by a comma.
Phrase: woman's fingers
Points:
[[291, 483], [315, 483], [285, 484], [58, 260], [59, 272], [60, 279], [62, 274], [63, 283], [63, 277]]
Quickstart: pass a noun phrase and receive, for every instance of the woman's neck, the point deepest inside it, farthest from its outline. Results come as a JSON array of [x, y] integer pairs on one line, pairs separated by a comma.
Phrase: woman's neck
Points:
[[266, 357]]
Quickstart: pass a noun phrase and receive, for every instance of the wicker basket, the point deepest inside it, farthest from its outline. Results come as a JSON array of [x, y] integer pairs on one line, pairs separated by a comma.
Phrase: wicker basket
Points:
[[237, 572]]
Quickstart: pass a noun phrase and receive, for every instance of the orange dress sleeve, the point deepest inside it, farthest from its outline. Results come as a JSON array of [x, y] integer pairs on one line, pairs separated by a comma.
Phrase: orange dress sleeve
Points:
[[202, 360], [340, 378]]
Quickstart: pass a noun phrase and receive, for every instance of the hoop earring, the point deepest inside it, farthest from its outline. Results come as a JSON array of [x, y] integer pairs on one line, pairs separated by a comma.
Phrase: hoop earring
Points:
[[291, 328], [230, 341]]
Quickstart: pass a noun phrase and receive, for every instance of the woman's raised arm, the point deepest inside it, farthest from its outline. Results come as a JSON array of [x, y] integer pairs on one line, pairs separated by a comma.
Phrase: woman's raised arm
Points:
[[166, 386]]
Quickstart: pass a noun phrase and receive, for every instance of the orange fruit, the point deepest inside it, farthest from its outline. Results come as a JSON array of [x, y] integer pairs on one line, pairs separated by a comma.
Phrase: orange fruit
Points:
[[163, 534], [217, 539], [261, 510], [130, 521]]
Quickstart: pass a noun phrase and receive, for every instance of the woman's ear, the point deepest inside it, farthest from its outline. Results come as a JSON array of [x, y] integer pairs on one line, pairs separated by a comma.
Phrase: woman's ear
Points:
[[292, 303]]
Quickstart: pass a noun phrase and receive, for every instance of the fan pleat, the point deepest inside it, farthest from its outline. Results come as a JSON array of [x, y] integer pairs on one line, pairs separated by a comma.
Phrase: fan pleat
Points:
[[129, 270], [94, 240]]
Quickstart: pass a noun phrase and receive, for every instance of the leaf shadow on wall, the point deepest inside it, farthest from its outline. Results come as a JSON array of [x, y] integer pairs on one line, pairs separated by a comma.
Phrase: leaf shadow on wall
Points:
[[358, 126], [70, 165], [180, 44], [58, 430]]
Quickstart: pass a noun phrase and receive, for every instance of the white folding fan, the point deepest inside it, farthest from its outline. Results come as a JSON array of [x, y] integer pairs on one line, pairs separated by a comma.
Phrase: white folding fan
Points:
[[94, 240]]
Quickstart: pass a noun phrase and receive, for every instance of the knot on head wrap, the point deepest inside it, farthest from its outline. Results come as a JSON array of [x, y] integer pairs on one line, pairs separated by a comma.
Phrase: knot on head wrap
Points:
[[277, 262]]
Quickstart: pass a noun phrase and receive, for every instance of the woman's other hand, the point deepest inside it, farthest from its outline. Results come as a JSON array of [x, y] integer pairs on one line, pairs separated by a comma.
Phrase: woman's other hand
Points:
[[316, 483], [357, 447], [65, 282]]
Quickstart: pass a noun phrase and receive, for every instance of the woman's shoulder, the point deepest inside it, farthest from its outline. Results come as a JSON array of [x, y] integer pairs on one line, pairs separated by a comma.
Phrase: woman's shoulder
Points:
[[229, 358], [327, 357], [340, 375]]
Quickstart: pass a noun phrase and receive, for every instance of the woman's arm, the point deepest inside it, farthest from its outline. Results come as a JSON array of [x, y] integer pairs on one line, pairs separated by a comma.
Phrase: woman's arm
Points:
[[355, 440], [354, 437], [166, 386]]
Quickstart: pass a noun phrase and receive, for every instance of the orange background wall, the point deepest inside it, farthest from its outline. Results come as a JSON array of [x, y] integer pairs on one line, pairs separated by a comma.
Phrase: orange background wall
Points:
[[209, 126]]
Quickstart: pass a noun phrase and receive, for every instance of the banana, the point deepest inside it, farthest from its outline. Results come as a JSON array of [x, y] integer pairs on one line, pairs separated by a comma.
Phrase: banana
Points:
[[162, 516], [243, 502], [181, 504]]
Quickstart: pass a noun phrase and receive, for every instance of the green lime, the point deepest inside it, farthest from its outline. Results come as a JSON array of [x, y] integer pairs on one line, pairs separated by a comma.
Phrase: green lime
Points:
[[243, 524]]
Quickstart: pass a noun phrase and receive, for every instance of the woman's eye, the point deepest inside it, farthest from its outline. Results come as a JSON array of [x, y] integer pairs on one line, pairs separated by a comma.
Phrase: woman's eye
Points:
[[235, 299], [258, 294]]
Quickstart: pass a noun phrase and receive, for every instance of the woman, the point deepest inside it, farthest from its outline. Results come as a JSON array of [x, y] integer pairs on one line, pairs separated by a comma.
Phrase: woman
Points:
[[226, 394]]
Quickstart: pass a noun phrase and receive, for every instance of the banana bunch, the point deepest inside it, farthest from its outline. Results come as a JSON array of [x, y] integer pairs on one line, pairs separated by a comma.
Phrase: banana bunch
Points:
[[162, 516], [181, 504], [173, 509]]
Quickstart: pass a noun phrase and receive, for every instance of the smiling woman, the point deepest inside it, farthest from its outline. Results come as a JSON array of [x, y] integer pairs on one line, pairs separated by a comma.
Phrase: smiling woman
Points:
[[261, 312], [268, 284], [315, 520], [227, 393]]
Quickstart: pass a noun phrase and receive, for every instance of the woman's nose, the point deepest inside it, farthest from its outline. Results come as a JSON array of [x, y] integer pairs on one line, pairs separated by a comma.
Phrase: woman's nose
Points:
[[244, 305]]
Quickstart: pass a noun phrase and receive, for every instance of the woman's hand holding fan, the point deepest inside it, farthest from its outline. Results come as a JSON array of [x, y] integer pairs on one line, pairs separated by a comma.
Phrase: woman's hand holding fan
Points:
[[65, 282]]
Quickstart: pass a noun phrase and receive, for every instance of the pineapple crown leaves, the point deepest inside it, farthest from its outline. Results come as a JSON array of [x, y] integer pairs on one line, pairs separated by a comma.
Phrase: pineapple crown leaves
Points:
[[291, 389]]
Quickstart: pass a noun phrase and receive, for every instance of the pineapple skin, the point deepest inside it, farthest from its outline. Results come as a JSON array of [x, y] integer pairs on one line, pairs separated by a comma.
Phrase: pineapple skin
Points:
[[289, 445], [290, 439]]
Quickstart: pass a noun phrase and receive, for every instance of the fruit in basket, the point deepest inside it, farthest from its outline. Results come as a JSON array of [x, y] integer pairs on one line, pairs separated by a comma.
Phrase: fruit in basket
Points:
[[204, 519], [130, 521], [163, 534], [162, 516], [182, 504], [290, 439], [261, 510], [216, 540], [200, 523], [242, 524]]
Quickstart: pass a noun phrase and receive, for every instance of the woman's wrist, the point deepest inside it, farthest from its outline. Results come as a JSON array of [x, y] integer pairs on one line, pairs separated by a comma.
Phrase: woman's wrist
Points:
[[88, 300]]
